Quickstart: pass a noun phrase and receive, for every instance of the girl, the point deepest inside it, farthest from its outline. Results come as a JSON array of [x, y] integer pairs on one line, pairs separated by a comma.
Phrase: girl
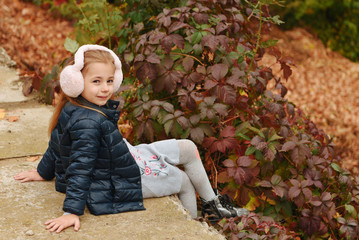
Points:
[[96, 167]]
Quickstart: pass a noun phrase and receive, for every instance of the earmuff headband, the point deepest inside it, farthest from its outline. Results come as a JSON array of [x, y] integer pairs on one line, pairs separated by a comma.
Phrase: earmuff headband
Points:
[[71, 78]]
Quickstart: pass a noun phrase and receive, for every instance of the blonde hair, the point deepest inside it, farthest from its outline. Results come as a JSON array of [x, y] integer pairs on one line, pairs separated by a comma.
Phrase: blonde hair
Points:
[[90, 56]]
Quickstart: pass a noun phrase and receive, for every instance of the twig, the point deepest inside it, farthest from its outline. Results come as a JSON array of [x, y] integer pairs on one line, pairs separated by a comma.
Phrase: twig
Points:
[[183, 54]]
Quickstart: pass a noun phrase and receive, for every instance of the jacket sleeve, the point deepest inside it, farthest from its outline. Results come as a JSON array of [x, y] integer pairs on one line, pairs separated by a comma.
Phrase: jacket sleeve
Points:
[[46, 167], [85, 136]]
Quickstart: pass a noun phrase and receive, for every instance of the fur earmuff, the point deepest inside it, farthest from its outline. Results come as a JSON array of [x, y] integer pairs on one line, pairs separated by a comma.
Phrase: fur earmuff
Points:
[[71, 79]]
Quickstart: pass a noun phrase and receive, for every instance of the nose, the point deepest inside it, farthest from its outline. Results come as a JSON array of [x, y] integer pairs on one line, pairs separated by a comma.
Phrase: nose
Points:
[[105, 87]]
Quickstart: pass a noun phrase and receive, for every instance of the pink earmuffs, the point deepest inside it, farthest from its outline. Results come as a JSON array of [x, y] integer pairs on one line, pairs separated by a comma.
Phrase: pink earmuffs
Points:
[[71, 79]]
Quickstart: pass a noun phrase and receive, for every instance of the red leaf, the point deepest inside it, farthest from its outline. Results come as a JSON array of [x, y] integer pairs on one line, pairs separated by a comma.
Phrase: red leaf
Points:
[[208, 142], [188, 63], [228, 131], [307, 193], [226, 144], [227, 94], [244, 161], [221, 27], [265, 183], [287, 71], [293, 192], [210, 84], [177, 25], [326, 196], [178, 40], [153, 58], [239, 176], [195, 77], [197, 135], [288, 146], [155, 37], [279, 191], [209, 41], [219, 71], [229, 163]]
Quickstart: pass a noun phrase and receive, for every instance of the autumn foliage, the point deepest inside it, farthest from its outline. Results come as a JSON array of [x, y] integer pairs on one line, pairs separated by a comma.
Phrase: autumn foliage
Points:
[[191, 72]]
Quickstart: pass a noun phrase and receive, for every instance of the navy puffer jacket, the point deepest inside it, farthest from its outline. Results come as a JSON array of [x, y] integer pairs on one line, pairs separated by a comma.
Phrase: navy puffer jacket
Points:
[[91, 162]]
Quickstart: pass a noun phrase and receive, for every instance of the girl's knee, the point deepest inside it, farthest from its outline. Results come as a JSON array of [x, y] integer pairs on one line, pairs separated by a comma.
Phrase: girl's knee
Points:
[[188, 149], [187, 145]]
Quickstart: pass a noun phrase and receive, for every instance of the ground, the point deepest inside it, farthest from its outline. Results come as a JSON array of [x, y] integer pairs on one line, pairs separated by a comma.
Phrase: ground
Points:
[[323, 83]]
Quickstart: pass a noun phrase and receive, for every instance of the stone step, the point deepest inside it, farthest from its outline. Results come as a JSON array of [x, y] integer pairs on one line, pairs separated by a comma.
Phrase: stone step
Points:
[[24, 208]]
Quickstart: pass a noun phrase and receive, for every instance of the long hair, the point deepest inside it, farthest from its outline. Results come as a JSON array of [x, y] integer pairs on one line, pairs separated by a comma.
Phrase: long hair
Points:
[[90, 56]]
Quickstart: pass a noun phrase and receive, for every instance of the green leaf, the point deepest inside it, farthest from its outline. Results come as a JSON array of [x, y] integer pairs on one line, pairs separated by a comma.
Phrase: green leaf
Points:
[[274, 137], [336, 167], [287, 208], [256, 130], [275, 180], [349, 208], [168, 126], [71, 45], [196, 37], [258, 155], [269, 211], [240, 49], [276, 20], [269, 43], [250, 150], [238, 134]]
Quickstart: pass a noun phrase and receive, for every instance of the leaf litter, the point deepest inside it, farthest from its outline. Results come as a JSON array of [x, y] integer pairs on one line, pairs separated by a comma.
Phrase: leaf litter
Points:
[[324, 84]]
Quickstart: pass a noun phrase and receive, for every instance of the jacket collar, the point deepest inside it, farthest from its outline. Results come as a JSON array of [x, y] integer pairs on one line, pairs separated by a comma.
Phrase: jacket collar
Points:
[[109, 109]]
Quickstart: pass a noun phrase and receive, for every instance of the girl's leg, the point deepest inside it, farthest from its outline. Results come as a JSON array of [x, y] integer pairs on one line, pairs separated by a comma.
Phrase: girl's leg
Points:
[[212, 203], [187, 195], [193, 167]]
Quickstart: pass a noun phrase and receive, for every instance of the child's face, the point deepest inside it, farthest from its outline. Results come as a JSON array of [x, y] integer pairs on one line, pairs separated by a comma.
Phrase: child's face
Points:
[[98, 78]]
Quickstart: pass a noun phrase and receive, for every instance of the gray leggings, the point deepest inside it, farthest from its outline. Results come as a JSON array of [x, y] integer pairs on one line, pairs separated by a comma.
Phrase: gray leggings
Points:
[[194, 177]]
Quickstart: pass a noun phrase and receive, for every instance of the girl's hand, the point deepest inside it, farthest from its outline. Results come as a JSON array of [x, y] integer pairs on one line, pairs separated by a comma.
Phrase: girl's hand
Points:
[[29, 176], [63, 222]]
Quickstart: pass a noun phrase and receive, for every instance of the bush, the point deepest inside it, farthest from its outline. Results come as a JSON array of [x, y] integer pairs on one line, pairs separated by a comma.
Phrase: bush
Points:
[[191, 72]]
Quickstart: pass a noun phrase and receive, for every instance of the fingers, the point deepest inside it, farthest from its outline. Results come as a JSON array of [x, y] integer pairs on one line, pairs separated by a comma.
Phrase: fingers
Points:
[[52, 225], [29, 176], [77, 225], [61, 227], [23, 176], [20, 177], [63, 222]]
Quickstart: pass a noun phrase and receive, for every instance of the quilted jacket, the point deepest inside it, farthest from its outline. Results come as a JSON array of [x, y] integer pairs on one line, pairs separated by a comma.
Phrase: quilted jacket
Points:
[[91, 162]]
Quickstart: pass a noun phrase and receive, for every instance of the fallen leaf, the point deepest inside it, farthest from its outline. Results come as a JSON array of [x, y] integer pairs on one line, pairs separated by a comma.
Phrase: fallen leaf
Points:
[[32, 159], [12, 118], [2, 113]]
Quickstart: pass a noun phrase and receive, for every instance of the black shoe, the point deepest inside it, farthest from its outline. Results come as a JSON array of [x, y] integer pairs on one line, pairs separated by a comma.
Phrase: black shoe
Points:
[[219, 208]]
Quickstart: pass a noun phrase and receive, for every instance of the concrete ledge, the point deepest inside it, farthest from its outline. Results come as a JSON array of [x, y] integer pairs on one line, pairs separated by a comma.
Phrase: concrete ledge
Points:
[[24, 208], [26, 136]]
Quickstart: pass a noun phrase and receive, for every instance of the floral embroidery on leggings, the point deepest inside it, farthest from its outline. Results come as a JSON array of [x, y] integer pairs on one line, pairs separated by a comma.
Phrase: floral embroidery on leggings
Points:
[[152, 166]]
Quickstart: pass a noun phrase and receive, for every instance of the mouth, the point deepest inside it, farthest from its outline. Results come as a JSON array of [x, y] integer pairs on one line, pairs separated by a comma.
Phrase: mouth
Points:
[[102, 97]]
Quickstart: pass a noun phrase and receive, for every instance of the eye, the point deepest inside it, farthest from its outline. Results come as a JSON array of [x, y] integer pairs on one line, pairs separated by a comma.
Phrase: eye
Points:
[[110, 81], [96, 81]]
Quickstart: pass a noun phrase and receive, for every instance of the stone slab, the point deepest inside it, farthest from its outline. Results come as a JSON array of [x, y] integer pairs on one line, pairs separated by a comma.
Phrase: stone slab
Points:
[[27, 135], [24, 208], [11, 86]]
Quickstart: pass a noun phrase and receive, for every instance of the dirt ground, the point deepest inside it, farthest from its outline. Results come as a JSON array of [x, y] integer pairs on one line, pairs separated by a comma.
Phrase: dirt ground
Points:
[[324, 84]]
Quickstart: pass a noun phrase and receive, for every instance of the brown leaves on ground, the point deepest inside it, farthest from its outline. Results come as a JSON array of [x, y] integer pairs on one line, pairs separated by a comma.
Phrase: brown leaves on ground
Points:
[[324, 84], [32, 159], [32, 38], [10, 118]]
